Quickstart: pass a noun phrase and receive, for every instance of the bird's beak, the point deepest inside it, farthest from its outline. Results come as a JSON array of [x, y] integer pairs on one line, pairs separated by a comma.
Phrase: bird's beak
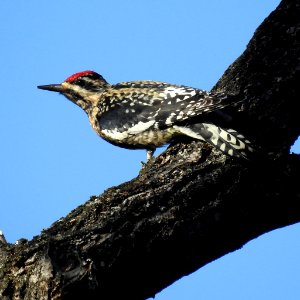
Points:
[[51, 87]]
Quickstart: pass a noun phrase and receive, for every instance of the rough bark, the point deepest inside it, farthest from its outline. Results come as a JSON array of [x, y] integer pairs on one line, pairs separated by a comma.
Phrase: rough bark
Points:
[[187, 207]]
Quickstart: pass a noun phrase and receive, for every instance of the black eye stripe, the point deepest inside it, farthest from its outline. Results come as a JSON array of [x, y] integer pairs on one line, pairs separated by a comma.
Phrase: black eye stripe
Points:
[[89, 82]]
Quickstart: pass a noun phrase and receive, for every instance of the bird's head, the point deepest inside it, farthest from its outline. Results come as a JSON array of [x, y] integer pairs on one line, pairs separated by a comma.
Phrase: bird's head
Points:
[[83, 88]]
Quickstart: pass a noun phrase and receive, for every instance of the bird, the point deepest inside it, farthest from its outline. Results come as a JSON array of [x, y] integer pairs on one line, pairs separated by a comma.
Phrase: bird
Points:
[[148, 114]]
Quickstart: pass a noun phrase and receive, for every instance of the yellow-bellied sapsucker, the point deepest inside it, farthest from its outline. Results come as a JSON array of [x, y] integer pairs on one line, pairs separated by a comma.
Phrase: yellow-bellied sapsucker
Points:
[[149, 114]]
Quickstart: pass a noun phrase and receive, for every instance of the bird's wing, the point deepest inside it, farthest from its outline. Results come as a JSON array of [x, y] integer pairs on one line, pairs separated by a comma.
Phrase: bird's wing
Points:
[[139, 105]]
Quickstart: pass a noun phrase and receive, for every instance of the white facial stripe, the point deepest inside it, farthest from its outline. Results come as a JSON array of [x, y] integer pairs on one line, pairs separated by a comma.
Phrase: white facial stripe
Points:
[[75, 88]]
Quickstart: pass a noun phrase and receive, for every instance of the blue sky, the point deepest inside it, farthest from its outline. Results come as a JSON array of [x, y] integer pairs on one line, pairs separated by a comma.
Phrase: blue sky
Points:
[[52, 161]]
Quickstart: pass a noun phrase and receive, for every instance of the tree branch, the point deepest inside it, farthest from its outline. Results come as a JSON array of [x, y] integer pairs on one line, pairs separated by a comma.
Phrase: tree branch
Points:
[[188, 206]]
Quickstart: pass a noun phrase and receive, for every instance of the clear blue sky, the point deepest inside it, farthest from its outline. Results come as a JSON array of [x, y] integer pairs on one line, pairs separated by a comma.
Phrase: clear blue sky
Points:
[[52, 161]]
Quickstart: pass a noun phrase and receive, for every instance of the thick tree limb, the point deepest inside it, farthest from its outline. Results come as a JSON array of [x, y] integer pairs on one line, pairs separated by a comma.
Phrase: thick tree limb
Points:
[[188, 206]]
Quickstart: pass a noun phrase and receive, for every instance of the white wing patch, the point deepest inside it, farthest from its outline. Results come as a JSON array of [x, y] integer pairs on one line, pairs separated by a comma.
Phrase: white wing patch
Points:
[[170, 120], [140, 127], [115, 134], [173, 92]]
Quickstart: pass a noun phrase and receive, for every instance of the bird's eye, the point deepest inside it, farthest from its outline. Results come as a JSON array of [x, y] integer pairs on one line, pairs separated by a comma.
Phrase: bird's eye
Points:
[[79, 82]]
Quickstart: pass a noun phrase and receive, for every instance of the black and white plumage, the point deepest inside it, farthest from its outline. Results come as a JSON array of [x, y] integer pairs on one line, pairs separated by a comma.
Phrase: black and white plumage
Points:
[[149, 114]]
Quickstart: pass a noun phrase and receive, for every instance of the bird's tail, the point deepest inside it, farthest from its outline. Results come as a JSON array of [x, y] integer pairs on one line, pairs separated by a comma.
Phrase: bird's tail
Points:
[[229, 141]]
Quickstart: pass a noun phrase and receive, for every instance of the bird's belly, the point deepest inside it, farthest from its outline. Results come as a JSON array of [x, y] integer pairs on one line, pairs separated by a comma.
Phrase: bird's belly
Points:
[[149, 139]]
